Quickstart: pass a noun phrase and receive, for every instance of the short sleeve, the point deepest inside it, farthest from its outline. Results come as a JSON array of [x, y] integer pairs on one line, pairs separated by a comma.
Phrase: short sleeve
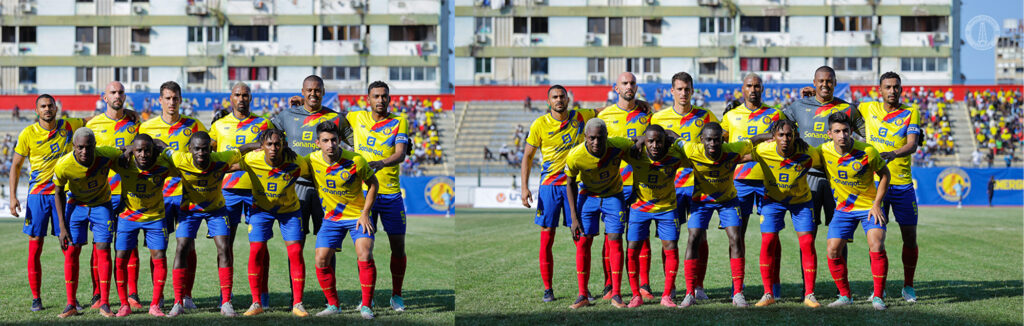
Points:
[[214, 133], [75, 123], [22, 148], [304, 168], [534, 137], [363, 169], [570, 168], [816, 159], [914, 122], [587, 114], [874, 160], [200, 126], [712, 117], [403, 131], [346, 128], [726, 126]]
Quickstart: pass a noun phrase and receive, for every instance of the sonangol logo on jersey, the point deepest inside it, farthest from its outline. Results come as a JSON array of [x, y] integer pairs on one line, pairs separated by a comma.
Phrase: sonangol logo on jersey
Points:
[[439, 193], [948, 181]]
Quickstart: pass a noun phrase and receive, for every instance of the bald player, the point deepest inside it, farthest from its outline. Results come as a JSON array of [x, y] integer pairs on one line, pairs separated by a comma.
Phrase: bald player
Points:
[[686, 121], [628, 118]]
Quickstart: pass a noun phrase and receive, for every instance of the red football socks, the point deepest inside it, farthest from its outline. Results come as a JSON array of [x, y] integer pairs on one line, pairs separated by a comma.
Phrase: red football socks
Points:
[[837, 267], [702, 262], [133, 272], [264, 270], [327, 281], [737, 274], [909, 265], [190, 271], [583, 263], [159, 278], [607, 262], [632, 265], [690, 268], [367, 280], [615, 263], [297, 269], [226, 283], [879, 271], [71, 272], [121, 273], [547, 240], [256, 260], [767, 260], [35, 268], [94, 270], [397, 274], [103, 265], [809, 262], [178, 279], [645, 262], [671, 268]]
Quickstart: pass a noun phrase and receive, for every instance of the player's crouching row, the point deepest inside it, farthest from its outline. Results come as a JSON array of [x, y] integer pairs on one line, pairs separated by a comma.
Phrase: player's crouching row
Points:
[[655, 158], [144, 165]]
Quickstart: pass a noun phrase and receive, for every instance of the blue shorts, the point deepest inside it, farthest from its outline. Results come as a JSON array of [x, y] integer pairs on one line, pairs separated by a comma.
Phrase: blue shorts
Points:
[[390, 210], [773, 218], [627, 193], [172, 207], [594, 209], [728, 214], [128, 234], [749, 194], [216, 223], [333, 232], [551, 205], [640, 225], [238, 202], [261, 225], [84, 218], [903, 200], [684, 195], [115, 204], [39, 214], [844, 223]]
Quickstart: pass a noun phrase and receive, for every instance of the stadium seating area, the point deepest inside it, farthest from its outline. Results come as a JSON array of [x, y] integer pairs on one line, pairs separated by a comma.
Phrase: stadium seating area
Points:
[[996, 120]]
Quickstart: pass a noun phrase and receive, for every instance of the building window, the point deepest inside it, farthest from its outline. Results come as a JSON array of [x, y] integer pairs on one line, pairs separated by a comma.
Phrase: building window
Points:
[[26, 75], [923, 24], [633, 65], [760, 24], [595, 65], [196, 77], [652, 26], [9, 33], [140, 35], [538, 25], [340, 73], [652, 65], [530, 25], [413, 33], [196, 33], [762, 64], [482, 65], [852, 24], [121, 74], [483, 25], [412, 73], [103, 40], [251, 73], [249, 33], [83, 74], [84, 34], [596, 25], [707, 24], [924, 64], [340, 33], [708, 68], [725, 25], [538, 66], [852, 64], [27, 34], [140, 74]]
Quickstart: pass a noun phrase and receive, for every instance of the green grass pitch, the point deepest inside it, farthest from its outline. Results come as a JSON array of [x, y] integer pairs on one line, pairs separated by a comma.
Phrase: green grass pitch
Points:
[[969, 272], [428, 291]]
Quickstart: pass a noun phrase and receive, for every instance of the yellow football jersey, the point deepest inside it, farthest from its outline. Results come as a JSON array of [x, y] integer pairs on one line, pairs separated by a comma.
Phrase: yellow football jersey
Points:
[[87, 184], [230, 133], [741, 123], [627, 124], [43, 148], [340, 184], [202, 187], [688, 128], [853, 186], [376, 140], [654, 182], [713, 179], [554, 139], [176, 136], [598, 176], [113, 133], [784, 179], [272, 188], [887, 131], [143, 189]]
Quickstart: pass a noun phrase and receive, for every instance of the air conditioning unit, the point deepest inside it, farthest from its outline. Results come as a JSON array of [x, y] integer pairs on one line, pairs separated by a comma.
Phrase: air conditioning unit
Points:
[[481, 38], [138, 9], [26, 8], [27, 88], [648, 38], [79, 47], [483, 80], [940, 37], [84, 88], [235, 47], [198, 10], [428, 46], [258, 4], [591, 38], [748, 38], [136, 47], [140, 87], [652, 2], [540, 79], [596, 78], [357, 3], [869, 37], [359, 46], [713, 3], [651, 78]]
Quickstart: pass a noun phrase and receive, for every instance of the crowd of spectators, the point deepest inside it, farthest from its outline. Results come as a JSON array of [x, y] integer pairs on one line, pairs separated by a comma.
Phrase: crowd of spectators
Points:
[[424, 136], [996, 118]]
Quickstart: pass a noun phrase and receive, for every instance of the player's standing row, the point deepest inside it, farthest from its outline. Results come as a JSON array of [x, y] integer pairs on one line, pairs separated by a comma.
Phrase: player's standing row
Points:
[[165, 174], [688, 144]]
